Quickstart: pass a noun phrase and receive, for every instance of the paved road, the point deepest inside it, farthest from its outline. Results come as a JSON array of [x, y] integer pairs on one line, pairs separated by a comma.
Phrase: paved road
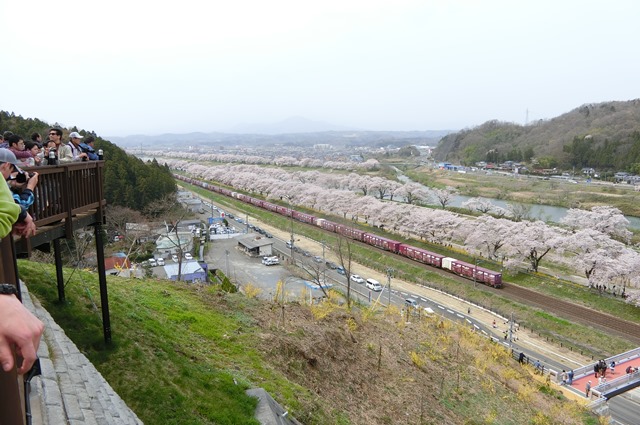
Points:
[[250, 270]]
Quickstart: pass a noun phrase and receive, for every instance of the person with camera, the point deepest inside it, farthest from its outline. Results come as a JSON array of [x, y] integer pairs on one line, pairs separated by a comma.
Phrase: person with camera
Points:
[[9, 168]]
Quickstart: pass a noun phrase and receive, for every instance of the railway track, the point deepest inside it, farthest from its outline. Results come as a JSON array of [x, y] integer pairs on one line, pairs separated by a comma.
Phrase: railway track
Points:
[[561, 308], [574, 312], [564, 309]]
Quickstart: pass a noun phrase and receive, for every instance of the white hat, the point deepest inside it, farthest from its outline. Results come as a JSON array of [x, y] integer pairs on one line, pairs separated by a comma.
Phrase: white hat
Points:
[[75, 135]]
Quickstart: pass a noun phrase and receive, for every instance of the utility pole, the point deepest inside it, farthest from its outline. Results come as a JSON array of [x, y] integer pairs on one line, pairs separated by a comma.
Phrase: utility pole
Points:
[[389, 272], [291, 219], [475, 269], [511, 330]]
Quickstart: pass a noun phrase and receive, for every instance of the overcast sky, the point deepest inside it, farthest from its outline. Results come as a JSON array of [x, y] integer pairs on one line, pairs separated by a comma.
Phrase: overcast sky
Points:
[[122, 67]]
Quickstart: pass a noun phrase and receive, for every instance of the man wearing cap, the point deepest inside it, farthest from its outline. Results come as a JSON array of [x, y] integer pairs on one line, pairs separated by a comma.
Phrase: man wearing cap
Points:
[[24, 225], [75, 150]]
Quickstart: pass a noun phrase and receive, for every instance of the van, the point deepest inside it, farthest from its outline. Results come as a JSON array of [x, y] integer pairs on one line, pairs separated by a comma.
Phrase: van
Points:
[[411, 302], [374, 285]]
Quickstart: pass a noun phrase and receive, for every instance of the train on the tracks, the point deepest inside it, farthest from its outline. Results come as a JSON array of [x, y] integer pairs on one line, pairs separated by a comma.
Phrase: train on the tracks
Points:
[[461, 268]]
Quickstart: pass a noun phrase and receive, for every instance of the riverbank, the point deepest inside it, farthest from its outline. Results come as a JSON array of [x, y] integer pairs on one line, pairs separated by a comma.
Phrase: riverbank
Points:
[[532, 189]]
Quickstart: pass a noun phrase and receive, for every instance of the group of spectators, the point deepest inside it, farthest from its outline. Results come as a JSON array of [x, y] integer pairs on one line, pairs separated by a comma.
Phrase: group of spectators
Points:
[[35, 152]]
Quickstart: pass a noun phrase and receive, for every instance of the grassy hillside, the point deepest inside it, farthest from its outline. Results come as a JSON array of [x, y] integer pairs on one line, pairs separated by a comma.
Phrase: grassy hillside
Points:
[[184, 354], [603, 135]]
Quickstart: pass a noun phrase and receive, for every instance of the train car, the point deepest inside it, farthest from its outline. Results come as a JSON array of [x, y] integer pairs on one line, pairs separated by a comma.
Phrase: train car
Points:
[[269, 206], [283, 210], [225, 191], [380, 242], [421, 255], [482, 275], [256, 202], [350, 232], [327, 225], [303, 217], [243, 197]]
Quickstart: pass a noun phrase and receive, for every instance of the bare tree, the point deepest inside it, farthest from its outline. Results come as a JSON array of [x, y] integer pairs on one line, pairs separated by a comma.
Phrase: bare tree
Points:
[[344, 257]]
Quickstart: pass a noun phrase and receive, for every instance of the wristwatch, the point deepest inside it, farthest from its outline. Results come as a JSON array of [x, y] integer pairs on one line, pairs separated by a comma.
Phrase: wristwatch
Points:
[[8, 289]]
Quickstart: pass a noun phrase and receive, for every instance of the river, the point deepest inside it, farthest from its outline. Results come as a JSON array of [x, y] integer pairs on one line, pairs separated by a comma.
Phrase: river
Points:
[[546, 213]]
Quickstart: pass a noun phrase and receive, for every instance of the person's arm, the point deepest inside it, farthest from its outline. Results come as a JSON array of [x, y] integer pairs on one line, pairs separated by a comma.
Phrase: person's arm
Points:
[[9, 210], [19, 328]]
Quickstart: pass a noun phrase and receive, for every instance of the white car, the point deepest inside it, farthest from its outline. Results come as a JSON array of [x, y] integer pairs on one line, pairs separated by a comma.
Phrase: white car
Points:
[[188, 256], [265, 260], [174, 257], [153, 262], [374, 285], [356, 278], [160, 261]]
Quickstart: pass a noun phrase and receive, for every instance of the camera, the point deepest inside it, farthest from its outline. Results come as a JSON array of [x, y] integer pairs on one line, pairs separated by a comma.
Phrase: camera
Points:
[[22, 177]]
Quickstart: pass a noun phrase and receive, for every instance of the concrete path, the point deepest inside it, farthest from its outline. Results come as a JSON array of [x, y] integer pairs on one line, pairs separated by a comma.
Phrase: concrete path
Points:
[[70, 389]]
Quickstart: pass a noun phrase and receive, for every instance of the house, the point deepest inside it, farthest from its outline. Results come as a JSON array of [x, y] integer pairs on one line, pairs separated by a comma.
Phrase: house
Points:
[[256, 246], [167, 245], [192, 271]]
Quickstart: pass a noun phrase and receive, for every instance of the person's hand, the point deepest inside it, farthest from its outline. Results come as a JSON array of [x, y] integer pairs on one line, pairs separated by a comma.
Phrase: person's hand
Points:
[[19, 328], [26, 228], [33, 181]]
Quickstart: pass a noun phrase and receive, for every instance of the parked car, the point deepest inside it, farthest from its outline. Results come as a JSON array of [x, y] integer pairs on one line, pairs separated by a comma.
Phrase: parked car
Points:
[[331, 265], [374, 285], [270, 261], [174, 257], [317, 259], [356, 278], [160, 261], [341, 270], [152, 262], [188, 256], [267, 258]]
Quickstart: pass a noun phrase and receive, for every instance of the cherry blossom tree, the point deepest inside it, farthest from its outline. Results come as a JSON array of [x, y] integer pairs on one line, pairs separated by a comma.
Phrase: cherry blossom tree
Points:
[[531, 241], [488, 235], [481, 205], [412, 192], [606, 219], [443, 196]]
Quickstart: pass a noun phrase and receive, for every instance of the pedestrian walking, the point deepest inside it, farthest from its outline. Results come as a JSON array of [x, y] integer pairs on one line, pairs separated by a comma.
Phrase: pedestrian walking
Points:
[[570, 377], [587, 389], [564, 377], [612, 366]]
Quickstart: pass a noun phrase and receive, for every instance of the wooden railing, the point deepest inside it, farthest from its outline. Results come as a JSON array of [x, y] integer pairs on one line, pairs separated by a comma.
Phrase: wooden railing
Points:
[[68, 197]]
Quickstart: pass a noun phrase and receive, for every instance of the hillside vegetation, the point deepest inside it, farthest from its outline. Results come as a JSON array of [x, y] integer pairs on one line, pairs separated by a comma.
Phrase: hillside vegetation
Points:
[[184, 354], [603, 136]]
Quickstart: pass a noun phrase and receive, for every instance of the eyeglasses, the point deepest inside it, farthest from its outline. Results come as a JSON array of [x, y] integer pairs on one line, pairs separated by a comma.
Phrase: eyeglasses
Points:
[[53, 134]]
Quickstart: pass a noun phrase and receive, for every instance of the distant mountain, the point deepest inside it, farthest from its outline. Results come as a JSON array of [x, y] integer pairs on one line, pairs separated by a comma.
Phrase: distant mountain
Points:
[[289, 126], [603, 135], [336, 138]]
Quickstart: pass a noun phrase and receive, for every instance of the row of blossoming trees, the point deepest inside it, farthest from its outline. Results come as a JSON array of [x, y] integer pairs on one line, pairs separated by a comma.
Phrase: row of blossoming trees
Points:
[[593, 243]]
